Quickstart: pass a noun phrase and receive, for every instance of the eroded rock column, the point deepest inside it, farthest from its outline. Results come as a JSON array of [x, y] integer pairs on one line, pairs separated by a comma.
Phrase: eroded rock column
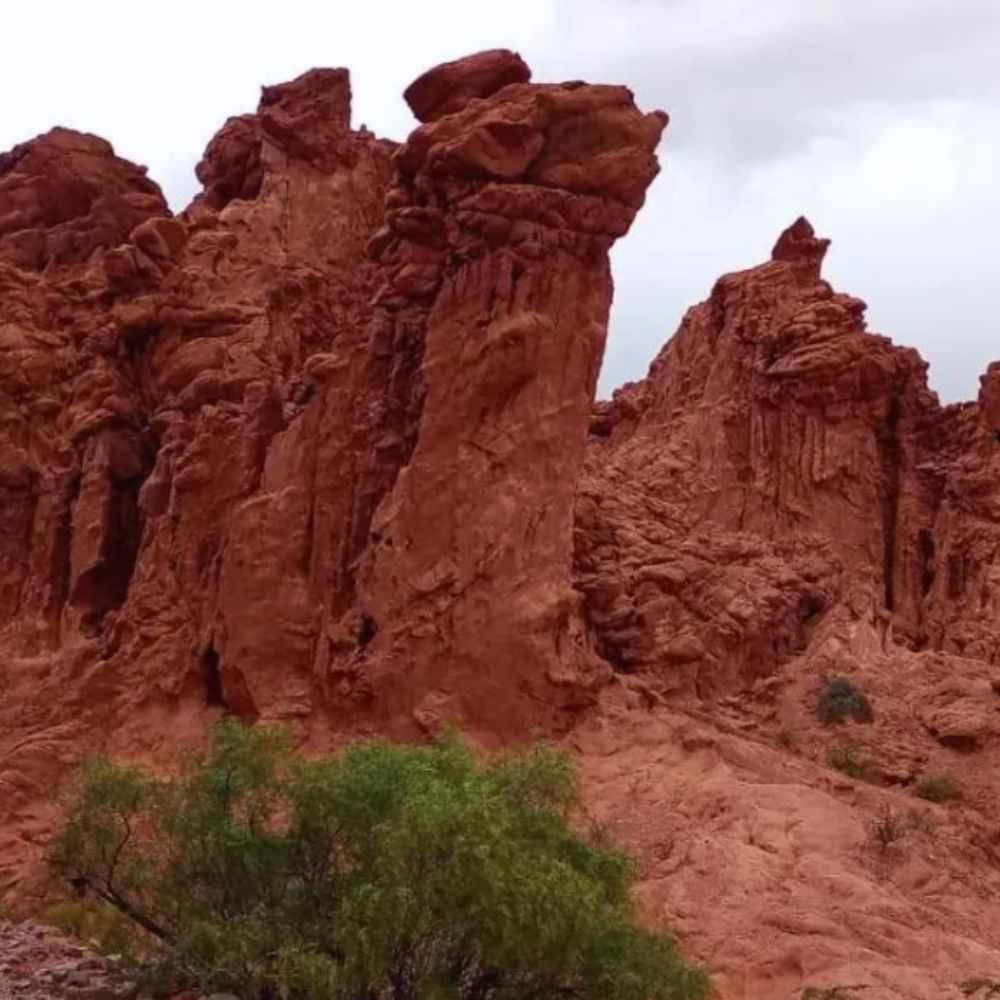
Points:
[[507, 201]]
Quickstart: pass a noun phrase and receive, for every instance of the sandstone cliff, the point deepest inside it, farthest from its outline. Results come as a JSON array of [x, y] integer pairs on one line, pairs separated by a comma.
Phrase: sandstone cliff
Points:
[[782, 500], [323, 448]]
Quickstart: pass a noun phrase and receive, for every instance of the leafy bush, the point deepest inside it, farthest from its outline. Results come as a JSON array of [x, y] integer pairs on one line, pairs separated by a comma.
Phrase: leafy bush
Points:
[[402, 873], [839, 699], [938, 788], [850, 760]]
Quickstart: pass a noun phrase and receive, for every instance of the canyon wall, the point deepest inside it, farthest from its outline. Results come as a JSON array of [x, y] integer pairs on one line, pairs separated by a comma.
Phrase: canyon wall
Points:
[[780, 470], [308, 450]]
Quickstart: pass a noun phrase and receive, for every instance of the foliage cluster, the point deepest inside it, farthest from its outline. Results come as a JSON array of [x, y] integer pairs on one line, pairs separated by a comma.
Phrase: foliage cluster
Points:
[[839, 699], [938, 788], [96, 923], [884, 831], [383, 873]]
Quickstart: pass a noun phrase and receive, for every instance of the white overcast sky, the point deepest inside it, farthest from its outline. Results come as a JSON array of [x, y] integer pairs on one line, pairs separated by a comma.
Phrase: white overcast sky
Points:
[[878, 119]]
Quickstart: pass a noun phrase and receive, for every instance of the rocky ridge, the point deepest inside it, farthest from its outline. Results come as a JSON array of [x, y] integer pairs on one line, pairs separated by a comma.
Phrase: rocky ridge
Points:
[[323, 448], [780, 501]]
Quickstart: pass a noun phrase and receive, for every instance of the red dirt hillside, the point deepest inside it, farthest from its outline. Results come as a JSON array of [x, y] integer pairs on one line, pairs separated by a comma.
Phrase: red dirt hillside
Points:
[[323, 448]]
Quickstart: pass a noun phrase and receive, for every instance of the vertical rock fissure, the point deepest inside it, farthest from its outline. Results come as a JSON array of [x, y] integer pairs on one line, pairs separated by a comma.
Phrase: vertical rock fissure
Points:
[[889, 454], [925, 544], [211, 679], [61, 561]]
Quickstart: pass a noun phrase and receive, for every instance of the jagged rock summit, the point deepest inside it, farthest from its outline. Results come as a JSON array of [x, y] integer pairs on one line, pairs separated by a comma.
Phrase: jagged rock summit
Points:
[[323, 448], [447, 88]]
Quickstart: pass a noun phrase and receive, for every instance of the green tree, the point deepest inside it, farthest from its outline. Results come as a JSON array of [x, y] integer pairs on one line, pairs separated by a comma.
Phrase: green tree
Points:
[[383, 873]]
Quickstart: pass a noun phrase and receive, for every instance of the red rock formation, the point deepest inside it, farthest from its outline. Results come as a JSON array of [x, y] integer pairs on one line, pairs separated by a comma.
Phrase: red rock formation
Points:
[[308, 450], [763, 476], [449, 87], [782, 499], [317, 449], [778, 468], [65, 194], [496, 249], [142, 382], [401, 514]]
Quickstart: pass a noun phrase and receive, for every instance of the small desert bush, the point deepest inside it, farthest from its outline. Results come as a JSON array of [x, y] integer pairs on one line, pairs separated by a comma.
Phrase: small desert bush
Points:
[[396, 872], [884, 831], [849, 759], [937, 788], [840, 699]]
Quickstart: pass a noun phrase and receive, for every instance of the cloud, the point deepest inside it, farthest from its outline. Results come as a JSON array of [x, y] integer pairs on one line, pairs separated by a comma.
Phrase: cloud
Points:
[[751, 79], [908, 198], [876, 118]]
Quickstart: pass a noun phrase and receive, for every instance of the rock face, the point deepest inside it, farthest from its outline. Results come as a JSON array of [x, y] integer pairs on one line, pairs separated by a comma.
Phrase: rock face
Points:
[[780, 472], [782, 500], [323, 448], [495, 251], [308, 449], [64, 195], [763, 477], [451, 86]]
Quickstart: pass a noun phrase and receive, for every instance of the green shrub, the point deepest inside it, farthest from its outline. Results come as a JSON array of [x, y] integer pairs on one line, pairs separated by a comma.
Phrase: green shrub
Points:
[[937, 788], [404, 873], [840, 699], [850, 760]]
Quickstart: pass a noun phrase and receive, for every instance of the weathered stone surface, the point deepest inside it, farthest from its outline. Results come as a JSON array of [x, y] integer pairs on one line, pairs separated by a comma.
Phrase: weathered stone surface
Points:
[[447, 88], [64, 195], [771, 474], [143, 379], [495, 252]]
